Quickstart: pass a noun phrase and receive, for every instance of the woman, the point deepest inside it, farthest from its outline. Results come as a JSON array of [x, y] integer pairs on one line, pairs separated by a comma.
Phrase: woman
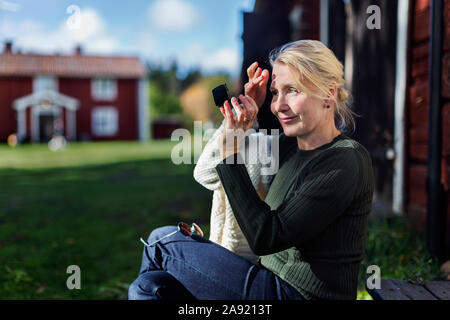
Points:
[[224, 229], [310, 229]]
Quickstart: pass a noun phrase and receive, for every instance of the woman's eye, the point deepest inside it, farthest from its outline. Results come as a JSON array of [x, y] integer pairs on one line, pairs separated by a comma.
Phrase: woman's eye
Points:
[[292, 90], [274, 92]]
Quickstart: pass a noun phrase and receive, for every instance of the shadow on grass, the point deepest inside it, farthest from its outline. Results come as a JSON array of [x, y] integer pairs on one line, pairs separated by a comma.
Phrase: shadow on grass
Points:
[[93, 216], [90, 216]]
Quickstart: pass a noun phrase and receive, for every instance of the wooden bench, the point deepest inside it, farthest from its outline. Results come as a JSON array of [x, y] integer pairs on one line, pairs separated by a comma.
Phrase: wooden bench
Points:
[[395, 289]]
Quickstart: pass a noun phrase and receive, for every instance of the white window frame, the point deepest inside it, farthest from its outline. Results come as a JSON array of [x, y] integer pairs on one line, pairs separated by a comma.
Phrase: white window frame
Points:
[[41, 83], [111, 114], [104, 89]]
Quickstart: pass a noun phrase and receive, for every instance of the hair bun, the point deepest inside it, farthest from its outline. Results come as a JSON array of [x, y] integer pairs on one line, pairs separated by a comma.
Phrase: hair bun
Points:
[[343, 94]]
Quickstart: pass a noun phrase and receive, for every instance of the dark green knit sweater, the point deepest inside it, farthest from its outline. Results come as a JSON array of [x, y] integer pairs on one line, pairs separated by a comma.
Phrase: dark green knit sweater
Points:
[[311, 228]]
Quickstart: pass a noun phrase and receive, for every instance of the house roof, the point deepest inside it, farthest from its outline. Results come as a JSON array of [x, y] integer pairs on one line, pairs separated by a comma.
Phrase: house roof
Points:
[[74, 66]]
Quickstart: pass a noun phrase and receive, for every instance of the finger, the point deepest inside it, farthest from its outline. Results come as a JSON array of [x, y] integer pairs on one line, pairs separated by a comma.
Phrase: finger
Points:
[[262, 78], [250, 100], [265, 77], [253, 104], [246, 111], [229, 124], [257, 81], [222, 110], [257, 72], [229, 114], [251, 69], [250, 106], [238, 109]]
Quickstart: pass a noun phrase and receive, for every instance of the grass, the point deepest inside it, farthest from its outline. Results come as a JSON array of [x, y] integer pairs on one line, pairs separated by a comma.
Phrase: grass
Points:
[[38, 156], [399, 253], [88, 204]]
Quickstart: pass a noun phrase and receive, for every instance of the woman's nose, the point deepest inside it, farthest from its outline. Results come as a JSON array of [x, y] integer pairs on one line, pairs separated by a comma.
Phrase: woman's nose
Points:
[[280, 104]]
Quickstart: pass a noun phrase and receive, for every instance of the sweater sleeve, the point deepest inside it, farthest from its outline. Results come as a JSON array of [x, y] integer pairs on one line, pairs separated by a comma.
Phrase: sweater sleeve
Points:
[[205, 172], [322, 195]]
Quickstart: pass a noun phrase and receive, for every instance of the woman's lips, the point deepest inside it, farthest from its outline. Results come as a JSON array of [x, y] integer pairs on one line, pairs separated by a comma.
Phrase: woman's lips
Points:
[[286, 120]]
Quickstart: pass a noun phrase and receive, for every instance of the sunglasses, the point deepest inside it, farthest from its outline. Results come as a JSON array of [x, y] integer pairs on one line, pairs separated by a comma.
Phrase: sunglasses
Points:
[[184, 228]]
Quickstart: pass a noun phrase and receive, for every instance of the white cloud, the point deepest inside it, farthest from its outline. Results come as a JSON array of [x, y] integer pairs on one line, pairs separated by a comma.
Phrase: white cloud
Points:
[[224, 59], [91, 25], [196, 55], [173, 15], [9, 6], [30, 35]]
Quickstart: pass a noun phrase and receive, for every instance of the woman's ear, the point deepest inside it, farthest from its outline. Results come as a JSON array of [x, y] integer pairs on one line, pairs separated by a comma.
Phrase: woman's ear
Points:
[[333, 93]]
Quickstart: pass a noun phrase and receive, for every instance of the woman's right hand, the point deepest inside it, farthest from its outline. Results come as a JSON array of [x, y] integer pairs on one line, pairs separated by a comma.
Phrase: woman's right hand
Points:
[[256, 87]]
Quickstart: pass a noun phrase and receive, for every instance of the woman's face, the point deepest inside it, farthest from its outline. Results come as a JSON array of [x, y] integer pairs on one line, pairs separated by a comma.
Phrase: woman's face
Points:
[[300, 115]]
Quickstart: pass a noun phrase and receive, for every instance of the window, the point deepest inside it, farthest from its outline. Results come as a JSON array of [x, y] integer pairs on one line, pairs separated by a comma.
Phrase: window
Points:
[[105, 121], [104, 89], [41, 83]]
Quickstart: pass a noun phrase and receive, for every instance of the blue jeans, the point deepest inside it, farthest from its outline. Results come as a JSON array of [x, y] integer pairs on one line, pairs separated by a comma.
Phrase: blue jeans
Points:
[[183, 267]]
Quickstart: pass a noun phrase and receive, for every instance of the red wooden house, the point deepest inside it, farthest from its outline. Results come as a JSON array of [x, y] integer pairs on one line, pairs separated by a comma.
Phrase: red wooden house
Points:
[[81, 97]]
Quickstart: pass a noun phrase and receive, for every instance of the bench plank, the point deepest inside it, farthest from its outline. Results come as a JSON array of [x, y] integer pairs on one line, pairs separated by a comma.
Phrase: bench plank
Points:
[[414, 291], [440, 289], [388, 291], [396, 289]]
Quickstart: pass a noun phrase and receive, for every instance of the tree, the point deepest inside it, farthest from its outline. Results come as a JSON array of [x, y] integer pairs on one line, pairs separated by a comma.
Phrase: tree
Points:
[[164, 90]]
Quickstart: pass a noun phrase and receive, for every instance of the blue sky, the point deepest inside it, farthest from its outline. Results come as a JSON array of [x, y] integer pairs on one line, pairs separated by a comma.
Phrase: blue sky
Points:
[[202, 33]]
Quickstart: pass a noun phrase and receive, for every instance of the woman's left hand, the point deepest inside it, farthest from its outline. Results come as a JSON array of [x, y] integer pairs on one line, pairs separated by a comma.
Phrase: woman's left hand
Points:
[[235, 127], [245, 114]]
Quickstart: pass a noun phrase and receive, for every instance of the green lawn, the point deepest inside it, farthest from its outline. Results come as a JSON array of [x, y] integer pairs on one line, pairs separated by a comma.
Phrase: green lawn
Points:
[[89, 204]]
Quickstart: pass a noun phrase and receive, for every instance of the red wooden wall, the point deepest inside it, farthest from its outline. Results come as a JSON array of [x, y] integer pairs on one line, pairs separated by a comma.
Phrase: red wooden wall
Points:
[[417, 113], [11, 88], [310, 25], [417, 110], [126, 103]]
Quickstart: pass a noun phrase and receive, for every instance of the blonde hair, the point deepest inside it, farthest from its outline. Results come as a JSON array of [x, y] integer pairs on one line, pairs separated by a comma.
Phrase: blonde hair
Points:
[[316, 64]]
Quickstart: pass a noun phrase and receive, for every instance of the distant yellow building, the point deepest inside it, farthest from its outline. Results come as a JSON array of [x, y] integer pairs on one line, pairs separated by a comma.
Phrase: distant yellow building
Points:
[[196, 102]]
